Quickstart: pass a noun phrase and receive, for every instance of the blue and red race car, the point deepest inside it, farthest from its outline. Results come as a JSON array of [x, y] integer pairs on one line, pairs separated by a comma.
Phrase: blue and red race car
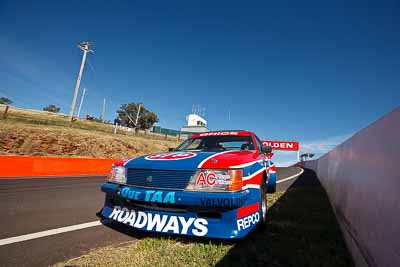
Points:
[[214, 185]]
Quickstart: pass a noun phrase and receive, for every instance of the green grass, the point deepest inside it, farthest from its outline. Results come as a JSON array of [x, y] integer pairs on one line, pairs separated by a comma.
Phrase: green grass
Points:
[[302, 231]]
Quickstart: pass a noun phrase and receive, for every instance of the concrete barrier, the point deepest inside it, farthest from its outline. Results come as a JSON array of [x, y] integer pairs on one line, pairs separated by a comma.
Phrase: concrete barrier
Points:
[[26, 166], [362, 179]]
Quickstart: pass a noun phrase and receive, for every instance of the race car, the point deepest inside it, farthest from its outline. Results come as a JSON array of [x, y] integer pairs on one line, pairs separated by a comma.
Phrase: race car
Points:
[[212, 185]]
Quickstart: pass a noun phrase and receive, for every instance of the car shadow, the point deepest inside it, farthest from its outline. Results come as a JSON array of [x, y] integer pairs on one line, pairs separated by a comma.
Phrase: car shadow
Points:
[[301, 231]]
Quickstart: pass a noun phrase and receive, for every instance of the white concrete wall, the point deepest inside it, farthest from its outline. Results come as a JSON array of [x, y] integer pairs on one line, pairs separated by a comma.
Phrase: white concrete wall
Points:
[[362, 179]]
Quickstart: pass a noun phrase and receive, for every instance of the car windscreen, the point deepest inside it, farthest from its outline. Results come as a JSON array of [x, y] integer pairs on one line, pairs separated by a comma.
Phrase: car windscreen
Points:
[[212, 143]]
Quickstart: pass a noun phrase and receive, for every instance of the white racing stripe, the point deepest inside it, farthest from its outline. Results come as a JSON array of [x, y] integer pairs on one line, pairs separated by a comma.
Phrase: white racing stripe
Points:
[[256, 186], [246, 164], [245, 178], [56, 231], [290, 177]]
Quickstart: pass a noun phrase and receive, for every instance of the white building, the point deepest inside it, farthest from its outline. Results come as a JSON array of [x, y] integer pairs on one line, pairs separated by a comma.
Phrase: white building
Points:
[[195, 124]]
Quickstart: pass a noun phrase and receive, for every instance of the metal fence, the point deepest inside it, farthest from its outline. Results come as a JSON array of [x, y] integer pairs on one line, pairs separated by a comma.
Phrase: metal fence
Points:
[[181, 135]]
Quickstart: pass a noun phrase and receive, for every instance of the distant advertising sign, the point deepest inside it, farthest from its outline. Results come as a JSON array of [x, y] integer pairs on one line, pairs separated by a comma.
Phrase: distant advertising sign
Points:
[[282, 145]]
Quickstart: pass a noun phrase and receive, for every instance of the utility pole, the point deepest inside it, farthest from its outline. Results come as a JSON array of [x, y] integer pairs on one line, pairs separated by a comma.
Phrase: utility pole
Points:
[[129, 117], [84, 46], [137, 115], [104, 110], [80, 104]]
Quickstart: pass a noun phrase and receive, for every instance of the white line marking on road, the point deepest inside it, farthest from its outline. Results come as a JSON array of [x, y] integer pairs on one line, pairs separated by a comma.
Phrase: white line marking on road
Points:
[[56, 231], [290, 177]]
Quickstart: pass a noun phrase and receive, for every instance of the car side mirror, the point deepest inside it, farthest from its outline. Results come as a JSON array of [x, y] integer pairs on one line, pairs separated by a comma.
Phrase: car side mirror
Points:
[[170, 149], [266, 150]]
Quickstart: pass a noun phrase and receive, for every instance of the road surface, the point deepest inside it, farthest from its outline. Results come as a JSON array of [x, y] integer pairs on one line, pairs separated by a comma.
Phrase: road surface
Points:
[[43, 207]]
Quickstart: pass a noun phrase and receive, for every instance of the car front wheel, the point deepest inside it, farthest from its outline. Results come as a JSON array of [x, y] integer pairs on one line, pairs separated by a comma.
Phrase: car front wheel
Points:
[[263, 202]]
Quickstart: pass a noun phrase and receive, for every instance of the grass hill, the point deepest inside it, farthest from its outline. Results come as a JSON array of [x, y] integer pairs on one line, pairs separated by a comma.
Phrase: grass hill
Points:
[[30, 132]]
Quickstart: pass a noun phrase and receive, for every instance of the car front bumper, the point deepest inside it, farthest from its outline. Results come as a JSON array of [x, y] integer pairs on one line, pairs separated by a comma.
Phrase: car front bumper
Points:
[[224, 215]]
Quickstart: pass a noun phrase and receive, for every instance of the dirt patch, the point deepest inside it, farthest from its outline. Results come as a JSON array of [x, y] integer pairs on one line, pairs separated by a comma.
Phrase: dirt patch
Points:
[[22, 139]]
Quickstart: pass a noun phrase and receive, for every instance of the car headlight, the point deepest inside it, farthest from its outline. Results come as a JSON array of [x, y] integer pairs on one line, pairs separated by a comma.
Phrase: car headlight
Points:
[[216, 180], [117, 175]]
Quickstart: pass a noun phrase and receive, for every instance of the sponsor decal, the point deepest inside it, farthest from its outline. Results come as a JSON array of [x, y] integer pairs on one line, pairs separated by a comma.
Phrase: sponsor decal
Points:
[[171, 156], [282, 145], [248, 221], [218, 133], [160, 223], [211, 179], [248, 210], [222, 133], [222, 202], [148, 196]]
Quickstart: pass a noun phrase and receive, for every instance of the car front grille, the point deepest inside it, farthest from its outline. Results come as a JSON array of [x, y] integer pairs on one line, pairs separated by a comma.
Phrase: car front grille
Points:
[[161, 179]]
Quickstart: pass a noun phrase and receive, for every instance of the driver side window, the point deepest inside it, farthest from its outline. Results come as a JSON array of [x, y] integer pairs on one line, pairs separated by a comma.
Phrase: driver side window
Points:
[[259, 143], [196, 144]]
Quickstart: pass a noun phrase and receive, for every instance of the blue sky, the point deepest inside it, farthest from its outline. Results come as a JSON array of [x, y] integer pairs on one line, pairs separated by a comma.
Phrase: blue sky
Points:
[[307, 71]]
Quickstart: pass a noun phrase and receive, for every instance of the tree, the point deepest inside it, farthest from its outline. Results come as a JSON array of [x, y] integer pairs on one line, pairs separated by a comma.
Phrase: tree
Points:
[[5, 101], [128, 112], [52, 108]]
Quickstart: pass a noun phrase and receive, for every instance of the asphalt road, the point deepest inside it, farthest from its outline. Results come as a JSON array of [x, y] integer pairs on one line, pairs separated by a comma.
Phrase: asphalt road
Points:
[[286, 173], [35, 205]]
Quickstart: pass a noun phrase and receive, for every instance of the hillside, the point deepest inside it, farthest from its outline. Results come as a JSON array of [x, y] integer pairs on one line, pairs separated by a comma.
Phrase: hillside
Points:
[[20, 138]]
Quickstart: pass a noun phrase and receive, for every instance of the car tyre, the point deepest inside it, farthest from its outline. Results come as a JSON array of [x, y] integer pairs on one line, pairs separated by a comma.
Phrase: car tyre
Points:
[[263, 203]]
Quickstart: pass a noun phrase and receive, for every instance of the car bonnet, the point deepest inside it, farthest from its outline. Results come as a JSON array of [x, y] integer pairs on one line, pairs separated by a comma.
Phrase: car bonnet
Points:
[[178, 160]]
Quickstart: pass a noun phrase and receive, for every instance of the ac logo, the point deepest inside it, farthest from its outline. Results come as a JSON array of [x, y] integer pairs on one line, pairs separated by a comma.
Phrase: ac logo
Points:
[[209, 179]]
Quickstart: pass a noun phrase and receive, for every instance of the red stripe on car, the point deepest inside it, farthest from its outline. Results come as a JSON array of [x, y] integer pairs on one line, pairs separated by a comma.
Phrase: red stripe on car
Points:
[[256, 180], [272, 168], [242, 212]]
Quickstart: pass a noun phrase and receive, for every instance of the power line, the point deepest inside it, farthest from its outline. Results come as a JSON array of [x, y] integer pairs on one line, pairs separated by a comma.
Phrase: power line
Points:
[[27, 104], [91, 67]]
